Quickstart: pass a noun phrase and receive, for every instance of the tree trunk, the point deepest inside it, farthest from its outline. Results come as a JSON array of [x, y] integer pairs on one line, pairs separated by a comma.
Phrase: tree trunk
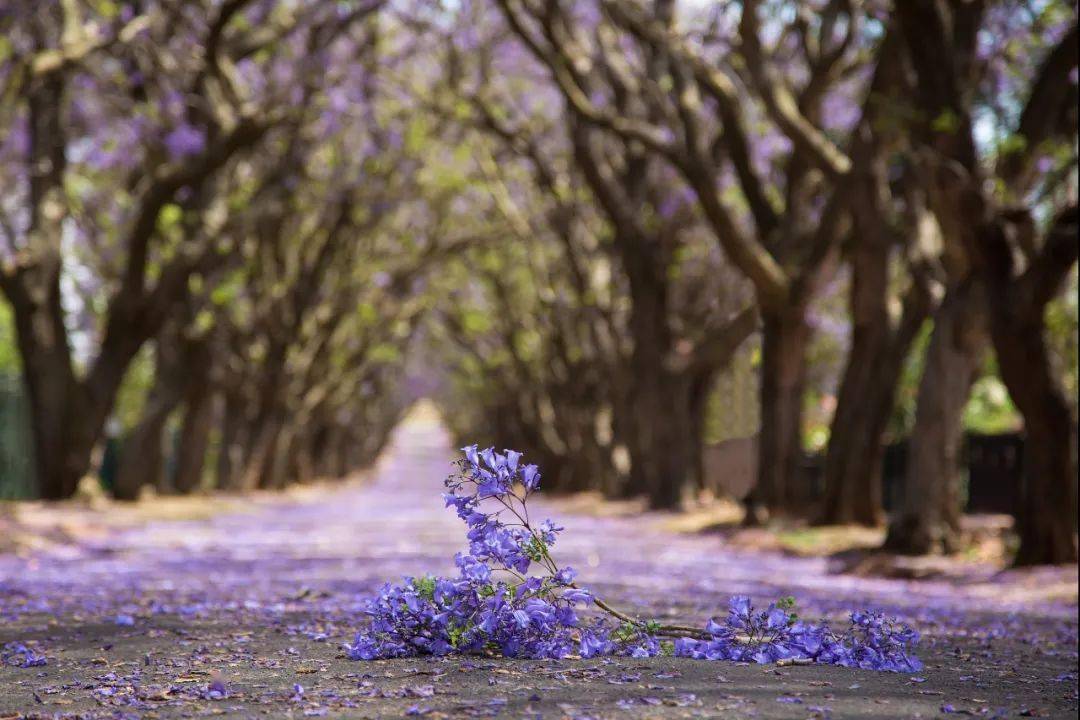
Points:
[[928, 519], [141, 455], [194, 438], [325, 444], [64, 429], [341, 453], [670, 448], [853, 461], [701, 385], [305, 454], [61, 421], [666, 444], [257, 472], [276, 469], [228, 456], [880, 344], [779, 488], [661, 448], [1047, 515]]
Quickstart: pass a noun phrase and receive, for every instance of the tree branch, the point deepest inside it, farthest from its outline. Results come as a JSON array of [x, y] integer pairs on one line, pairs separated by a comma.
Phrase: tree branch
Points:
[[1052, 99]]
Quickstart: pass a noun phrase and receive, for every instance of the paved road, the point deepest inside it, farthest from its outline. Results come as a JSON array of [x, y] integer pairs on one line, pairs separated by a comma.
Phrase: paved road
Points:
[[149, 619]]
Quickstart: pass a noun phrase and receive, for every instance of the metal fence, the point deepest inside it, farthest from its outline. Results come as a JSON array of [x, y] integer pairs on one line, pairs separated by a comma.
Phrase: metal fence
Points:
[[16, 444], [991, 473]]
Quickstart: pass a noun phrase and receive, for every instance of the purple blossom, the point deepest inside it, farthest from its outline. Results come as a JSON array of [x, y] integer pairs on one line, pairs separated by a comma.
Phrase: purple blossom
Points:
[[216, 690], [185, 140], [16, 654], [871, 642]]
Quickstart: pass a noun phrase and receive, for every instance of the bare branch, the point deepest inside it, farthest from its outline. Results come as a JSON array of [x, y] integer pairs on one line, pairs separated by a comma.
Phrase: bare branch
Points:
[[781, 102]]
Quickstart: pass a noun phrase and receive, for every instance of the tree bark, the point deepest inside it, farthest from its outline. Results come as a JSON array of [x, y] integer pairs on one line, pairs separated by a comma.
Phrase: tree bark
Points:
[[67, 414], [669, 403], [141, 455], [277, 472], [341, 453], [258, 470], [880, 344], [778, 491], [853, 461], [1047, 517], [701, 385], [228, 456], [180, 368], [194, 437], [304, 454], [62, 423], [666, 444], [928, 519]]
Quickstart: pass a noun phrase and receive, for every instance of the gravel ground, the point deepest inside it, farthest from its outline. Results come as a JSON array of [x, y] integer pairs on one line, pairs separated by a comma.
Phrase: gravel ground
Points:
[[244, 614]]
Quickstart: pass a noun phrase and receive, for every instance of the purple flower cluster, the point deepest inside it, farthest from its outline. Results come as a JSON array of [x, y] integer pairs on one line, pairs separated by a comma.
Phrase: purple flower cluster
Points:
[[185, 140], [494, 605], [498, 604], [15, 654], [503, 537], [438, 616], [872, 641]]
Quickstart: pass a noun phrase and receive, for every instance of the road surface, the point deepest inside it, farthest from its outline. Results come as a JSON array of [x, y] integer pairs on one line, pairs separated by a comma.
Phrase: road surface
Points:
[[244, 613]]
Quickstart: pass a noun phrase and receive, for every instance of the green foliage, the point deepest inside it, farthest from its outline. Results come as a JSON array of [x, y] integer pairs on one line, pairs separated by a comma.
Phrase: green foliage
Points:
[[425, 587], [536, 550], [169, 218], [990, 410], [947, 122], [384, 353], [107, 9], [625, 633], [134, 389], [10, 363], [457, 632], [788, 603], [907, 390], [1062, 320], [228, 288], [731, 410], [476, 322]]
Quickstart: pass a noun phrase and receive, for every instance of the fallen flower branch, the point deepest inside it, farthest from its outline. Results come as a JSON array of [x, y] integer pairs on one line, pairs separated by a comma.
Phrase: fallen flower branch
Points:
[[496, 605]]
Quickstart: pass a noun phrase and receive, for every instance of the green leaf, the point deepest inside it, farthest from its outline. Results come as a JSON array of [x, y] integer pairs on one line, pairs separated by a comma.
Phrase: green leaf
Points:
[[476, 322], [1013, 143], [415, 134], [535, 549], [947, 122], [107, 9], [425, 587], [169, 217], [384, 353]]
